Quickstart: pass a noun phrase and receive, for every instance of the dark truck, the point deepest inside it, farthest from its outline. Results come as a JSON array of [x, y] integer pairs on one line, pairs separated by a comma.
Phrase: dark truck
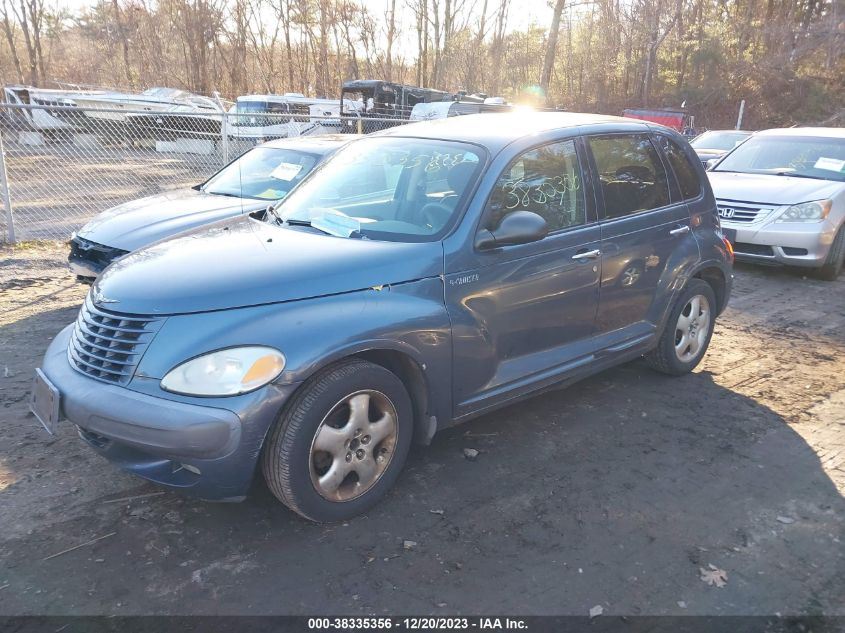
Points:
[[372, 101]]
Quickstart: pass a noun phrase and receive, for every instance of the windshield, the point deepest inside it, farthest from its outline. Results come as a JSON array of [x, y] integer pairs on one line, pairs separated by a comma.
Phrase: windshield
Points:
[[395, 189], [265, 173], [719, 140], [802, 156]]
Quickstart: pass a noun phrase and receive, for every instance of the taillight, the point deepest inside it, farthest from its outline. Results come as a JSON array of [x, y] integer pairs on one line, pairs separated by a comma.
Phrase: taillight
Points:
[[729, 247]]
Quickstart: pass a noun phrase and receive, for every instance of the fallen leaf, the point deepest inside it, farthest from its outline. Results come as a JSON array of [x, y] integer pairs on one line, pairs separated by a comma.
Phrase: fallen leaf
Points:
[[471, 454], [440, 512], [714, 576], [786, 520], [596, 611], [409, 544]]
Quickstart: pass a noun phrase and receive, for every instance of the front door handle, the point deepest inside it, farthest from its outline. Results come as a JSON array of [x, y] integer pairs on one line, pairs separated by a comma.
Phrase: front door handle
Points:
[[681, 230], [587, 254]]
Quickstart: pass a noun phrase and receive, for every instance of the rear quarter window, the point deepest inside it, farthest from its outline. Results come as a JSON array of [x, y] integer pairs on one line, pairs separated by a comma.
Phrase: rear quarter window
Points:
[[685, 172]]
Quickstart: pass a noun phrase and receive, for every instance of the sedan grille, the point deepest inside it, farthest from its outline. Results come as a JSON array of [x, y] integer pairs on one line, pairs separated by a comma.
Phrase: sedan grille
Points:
[[742, 213], [98, 254], [108, 345]]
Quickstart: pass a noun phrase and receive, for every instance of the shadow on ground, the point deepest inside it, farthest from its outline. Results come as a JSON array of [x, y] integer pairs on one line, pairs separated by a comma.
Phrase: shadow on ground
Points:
[[615, 492]]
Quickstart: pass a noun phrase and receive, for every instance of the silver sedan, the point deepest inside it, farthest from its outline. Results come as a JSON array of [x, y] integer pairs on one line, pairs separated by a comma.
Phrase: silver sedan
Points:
[[781, 198]]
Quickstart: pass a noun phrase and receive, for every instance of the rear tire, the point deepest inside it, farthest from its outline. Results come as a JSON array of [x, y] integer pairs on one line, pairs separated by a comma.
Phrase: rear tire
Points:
[[835, 258], [341, 442], [688, 330]]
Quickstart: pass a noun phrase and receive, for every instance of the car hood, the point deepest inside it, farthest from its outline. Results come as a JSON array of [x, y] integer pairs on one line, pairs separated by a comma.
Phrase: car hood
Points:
[[245, 262], [709, 154], [767, 189], [140, 222]]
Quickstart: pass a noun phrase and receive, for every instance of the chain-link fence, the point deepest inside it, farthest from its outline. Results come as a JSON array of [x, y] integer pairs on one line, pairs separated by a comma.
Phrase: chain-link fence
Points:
[[62, 165]]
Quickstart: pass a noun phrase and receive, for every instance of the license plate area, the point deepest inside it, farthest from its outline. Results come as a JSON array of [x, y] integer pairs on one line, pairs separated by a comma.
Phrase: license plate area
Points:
[[44, 403]]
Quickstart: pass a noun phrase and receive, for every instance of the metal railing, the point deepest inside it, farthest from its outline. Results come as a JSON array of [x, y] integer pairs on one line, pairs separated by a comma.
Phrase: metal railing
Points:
[[62, 165]]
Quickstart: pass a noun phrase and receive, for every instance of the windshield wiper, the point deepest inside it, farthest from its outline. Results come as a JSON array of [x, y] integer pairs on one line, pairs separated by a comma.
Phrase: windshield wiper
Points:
[[296, 222], [224, 193], [795, 175]]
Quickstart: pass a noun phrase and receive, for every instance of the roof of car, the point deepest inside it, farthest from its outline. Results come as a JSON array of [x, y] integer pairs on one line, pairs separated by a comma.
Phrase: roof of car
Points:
[[495, 130], [321, 144], [829, 132]]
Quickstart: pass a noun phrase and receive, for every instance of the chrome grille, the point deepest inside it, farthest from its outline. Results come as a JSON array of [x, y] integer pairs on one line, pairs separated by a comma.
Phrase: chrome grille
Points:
[[742, 213], [108, 345]]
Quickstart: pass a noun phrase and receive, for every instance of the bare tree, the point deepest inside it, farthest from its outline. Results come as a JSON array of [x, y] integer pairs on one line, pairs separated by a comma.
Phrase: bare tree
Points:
[[9, 32], [551, 47]]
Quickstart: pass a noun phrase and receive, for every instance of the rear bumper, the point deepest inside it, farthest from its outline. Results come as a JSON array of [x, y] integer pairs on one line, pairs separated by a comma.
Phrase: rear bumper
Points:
[[806, 245], [207, 451]]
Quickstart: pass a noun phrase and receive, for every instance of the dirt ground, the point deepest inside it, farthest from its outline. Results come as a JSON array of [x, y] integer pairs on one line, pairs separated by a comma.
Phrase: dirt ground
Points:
[[614, 492]]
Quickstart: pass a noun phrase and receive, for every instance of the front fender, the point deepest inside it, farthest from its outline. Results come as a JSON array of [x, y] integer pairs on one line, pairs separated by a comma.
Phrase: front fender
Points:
[[408, 318]]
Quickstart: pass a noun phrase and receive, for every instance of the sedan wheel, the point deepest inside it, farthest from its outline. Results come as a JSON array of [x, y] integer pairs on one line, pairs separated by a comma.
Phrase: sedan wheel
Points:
[[353, 446]]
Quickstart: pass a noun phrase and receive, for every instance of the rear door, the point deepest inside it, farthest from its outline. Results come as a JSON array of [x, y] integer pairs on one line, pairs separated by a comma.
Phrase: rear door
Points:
[[643, 222]]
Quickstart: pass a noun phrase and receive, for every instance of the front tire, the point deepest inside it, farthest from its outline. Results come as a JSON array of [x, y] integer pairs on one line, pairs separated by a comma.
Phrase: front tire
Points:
[[341, 442], [688, 330], [835, 258]]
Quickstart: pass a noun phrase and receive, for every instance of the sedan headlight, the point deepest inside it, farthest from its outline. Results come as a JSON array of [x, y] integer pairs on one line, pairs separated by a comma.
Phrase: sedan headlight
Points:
[[806, 212], [226, 372]]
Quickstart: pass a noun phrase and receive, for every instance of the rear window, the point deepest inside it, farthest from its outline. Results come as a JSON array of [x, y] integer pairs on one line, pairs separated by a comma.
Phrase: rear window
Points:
[[685, 172]]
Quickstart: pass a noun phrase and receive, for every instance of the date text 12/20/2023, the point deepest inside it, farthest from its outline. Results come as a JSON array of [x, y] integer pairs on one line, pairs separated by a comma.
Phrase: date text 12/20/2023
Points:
[[416, 623]]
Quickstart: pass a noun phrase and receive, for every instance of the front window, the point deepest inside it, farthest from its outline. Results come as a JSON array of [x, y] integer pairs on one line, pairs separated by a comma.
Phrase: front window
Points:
[[800, 156], [395, 189], [265, 173], [723, 141], [545, 181]]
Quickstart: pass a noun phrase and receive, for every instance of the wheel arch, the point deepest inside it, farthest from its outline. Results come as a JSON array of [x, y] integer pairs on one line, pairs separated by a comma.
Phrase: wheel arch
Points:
[[410, 367], [412, 374], [716, 279]]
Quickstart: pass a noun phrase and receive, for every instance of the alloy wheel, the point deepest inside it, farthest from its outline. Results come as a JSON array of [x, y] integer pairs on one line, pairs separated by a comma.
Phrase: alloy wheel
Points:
[[692, 328], [353, 445]]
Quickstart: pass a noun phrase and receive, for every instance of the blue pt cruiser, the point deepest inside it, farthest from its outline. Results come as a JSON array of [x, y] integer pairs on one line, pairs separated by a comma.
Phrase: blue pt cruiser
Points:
[[420, 277]]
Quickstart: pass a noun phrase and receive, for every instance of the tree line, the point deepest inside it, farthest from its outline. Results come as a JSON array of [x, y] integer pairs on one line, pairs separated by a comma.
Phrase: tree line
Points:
[[784, 57]]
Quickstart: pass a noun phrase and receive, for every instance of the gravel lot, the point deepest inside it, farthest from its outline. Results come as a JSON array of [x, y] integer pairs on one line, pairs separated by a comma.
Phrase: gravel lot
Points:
[[614, 492]]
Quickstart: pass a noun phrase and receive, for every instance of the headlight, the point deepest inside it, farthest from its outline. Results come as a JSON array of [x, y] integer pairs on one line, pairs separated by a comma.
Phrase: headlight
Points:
[[226, 372], [806, 212]]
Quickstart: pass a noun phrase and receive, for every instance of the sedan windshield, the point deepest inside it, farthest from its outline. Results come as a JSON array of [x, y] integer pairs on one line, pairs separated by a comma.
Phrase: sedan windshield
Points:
[[719, 140], [388, 188], [801, 156], [265, 173]]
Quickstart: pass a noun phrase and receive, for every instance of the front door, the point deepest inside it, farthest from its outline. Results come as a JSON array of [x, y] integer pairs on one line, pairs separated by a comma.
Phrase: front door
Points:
[[521, 312]]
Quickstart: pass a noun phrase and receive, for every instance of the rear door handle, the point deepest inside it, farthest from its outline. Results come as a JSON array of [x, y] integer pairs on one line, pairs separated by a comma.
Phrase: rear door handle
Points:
[[681, 230], [587, 254]]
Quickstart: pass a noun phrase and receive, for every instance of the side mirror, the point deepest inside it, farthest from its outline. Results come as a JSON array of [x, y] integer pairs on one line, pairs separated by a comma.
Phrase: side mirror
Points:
[[517, 227], [710, 164]]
